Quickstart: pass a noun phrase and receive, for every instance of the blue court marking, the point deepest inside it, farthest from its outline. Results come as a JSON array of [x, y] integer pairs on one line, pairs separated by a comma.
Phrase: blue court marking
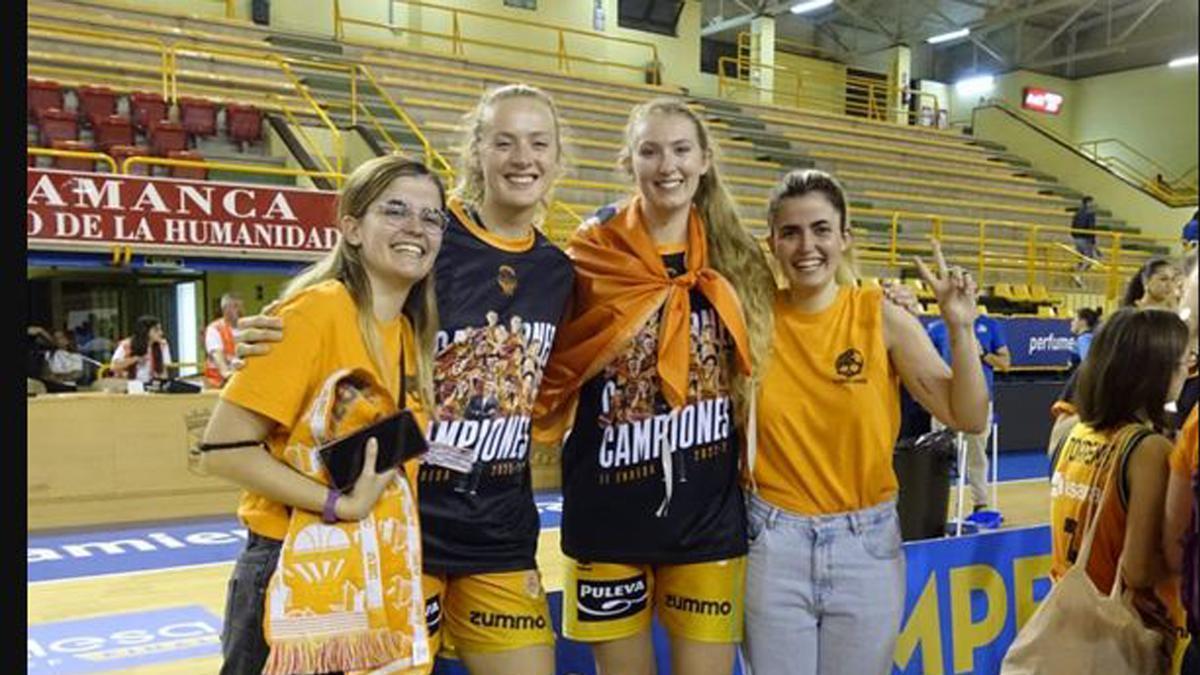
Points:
[[120, 641], [69, 555], [1024, 464]]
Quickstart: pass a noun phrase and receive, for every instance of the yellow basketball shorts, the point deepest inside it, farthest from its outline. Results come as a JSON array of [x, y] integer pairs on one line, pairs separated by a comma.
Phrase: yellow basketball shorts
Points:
[[698, 601], [493, 612]]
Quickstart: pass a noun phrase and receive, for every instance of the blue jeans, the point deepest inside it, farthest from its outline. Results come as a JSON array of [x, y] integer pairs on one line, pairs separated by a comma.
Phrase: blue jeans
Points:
[[242, 642], [824, 594]]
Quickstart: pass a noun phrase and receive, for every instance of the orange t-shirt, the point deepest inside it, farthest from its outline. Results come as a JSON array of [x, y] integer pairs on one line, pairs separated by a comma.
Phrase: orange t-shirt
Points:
[[1084, 454], [321, 336], [828, 408], [1183, 457]]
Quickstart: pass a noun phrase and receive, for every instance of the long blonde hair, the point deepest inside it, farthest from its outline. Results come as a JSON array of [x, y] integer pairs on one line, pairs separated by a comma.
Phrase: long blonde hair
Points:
[[732, 250], [470, 187], [345, 263], [800, 182]]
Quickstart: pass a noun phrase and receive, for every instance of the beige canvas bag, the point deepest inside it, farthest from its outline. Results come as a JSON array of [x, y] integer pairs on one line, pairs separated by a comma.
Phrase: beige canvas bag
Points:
[[1079, 630]]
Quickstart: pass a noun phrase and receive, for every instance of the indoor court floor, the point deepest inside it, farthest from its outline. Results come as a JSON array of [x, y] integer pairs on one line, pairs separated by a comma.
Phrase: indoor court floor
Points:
[[148, 598]]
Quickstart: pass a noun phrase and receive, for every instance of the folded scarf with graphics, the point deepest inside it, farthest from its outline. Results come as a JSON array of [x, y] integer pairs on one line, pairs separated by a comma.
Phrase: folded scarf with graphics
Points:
[[620, 282], [347, 596]]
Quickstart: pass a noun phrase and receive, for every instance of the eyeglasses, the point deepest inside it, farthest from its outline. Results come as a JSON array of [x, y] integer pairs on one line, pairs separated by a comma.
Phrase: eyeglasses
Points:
[[396, 212]]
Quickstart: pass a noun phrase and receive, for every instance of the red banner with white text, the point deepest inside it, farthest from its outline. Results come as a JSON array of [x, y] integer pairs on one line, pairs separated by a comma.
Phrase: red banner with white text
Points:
[[69, 210]]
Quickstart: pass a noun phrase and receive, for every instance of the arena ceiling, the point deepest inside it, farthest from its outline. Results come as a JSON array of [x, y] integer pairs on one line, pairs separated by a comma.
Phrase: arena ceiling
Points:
[[1066, 38]]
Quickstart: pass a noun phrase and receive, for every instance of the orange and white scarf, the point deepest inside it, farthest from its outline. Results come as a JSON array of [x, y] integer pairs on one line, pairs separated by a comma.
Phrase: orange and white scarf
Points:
[[347, 596]]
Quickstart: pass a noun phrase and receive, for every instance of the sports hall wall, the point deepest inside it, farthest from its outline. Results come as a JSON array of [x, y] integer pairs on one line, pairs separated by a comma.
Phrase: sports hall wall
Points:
[[1152, 109]]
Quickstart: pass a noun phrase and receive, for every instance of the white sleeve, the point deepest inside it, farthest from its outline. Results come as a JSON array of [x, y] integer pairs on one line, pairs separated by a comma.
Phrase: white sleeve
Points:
[[212, 340], [167, 352], [120, 352]]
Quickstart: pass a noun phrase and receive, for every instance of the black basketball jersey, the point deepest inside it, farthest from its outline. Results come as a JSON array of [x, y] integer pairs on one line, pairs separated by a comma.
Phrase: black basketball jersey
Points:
[[499, 303], [615, 505]]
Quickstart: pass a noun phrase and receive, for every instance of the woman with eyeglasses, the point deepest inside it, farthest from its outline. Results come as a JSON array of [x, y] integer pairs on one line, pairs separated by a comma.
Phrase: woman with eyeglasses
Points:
[[330, 581]]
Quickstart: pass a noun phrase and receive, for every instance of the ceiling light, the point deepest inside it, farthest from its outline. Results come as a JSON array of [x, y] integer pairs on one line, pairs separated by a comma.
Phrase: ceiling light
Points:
[[1185, 61], [809, 6], [979, 84], [952, 35]]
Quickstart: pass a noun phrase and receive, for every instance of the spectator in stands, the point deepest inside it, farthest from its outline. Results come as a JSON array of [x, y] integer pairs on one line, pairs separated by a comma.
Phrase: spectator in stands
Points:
[[1188, 312], [1083, 326], [1083, 231], [145, 355], [479, 524], [64, 364], [359, 317], [994, 355], [1136, 365], [1191, 231], [39, 344], [1179, 521], [825, 584], [1155, 286], [672, 271], [219, 343]]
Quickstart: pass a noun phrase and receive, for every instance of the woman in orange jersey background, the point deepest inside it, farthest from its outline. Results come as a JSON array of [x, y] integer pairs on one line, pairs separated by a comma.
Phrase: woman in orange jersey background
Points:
[[1137, 363], [825, 577]]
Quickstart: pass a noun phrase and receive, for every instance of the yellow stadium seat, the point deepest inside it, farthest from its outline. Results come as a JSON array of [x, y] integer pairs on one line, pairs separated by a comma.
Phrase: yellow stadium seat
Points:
[[1046, 311], [1003, 291], [981, 309], [1020, 292], [1039, 293]]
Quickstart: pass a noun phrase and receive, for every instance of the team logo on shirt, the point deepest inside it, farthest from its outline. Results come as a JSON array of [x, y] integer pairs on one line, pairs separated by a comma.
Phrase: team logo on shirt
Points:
[[607, 600], [507, 278], [433, 614], [849, 364]]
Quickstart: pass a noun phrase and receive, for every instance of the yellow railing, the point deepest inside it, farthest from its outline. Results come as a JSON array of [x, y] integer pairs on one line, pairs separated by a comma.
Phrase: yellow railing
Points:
[[458, 42], [73, 154], [136, 160], [433, 159], [1020, 247], [1135, 166], [852, 95], [98, 38]]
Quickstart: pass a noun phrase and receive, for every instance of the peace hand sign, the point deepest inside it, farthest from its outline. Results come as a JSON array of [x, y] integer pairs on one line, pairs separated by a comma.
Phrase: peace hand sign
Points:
[[955, 289]]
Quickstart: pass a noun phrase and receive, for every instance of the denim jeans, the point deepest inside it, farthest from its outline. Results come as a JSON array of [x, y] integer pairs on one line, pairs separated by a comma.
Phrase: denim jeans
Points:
[[242, 642], [824, 594]]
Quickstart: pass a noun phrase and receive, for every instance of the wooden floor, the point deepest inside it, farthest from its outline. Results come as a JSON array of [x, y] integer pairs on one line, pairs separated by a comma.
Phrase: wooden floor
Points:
[[1023, 503]]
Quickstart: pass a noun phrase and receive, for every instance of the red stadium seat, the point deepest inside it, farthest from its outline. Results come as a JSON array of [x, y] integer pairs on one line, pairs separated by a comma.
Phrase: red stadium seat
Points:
[[96, 104], [188, 172], [167, 137], [58, 125], [198, 116], [146, 109], [73, 163], [113, 130], [243, 123], [41, 95], [120, 153]]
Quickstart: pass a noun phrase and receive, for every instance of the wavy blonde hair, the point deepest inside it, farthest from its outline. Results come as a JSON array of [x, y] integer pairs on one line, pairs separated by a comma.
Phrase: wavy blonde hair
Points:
[[732, 250], [345, 263], [470, 187], [800, 182]]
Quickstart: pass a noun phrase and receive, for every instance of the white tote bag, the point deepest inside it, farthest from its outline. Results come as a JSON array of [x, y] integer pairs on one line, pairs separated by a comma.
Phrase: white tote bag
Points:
[[1079, 630]]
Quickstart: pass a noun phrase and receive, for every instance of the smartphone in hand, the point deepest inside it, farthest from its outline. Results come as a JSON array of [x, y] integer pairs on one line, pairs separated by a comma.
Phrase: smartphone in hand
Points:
[[399, 437]]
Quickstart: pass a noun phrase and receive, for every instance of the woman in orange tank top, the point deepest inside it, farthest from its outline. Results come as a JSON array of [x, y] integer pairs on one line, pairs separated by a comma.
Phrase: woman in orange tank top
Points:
[[825, 576]]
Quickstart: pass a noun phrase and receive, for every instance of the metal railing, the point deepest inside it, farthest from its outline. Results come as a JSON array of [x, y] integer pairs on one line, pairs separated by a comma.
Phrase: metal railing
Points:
[[564, 57], [1137, 167]]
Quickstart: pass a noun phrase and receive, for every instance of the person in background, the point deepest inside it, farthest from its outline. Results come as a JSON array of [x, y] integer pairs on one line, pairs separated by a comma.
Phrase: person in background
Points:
[[994, 354], [64, 364], [1156, 285], [1137, 364], [1083, 226], [143, 356], [1083, 326], [1191, 232], [219, 344]]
